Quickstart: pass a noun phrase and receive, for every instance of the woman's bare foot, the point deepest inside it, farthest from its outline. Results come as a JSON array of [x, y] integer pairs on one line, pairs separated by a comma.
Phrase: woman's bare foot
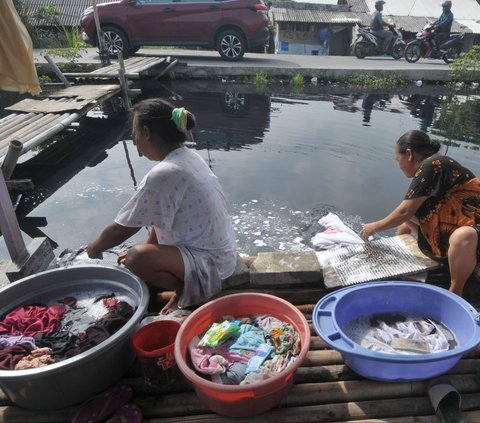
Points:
[[172, 305]]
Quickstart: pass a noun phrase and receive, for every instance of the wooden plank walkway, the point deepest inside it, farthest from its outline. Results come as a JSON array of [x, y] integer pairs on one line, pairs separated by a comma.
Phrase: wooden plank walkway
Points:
[[135, 68], [325, 390], [35, 121]]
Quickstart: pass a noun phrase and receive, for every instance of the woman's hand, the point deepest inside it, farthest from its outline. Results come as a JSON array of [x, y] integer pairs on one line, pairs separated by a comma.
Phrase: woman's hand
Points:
[[367, 230], [93, 252], [121, 258]]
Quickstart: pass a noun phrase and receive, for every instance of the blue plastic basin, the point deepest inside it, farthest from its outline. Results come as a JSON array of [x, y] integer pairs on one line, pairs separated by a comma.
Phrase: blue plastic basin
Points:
[[334, 311]]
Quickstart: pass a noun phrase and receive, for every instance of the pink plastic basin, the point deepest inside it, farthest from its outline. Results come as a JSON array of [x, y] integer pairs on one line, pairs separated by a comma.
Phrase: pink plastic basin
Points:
[[241, 400]]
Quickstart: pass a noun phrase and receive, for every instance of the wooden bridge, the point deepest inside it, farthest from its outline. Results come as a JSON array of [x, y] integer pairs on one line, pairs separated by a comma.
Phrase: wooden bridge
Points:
[[35, 121]]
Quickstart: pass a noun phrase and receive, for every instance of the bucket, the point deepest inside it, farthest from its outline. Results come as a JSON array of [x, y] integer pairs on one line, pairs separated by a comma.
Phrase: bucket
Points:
[[334, 311], [153, 344], [241, 400]]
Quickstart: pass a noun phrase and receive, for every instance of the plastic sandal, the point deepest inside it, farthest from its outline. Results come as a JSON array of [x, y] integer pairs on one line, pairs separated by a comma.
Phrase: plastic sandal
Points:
[[129, 413], [102, 406]]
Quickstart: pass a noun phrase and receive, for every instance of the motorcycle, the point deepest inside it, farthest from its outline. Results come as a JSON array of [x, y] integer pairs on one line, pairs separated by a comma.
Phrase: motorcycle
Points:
[[422, 46], [367, 44]]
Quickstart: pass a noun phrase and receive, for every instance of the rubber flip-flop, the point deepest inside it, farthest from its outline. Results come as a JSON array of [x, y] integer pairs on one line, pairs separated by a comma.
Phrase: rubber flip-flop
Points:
[[446, 401], [129, 413], [102, 406]]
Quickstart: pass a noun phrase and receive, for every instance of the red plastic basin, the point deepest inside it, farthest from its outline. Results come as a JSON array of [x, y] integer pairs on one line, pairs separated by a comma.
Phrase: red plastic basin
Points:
[[241, 400]]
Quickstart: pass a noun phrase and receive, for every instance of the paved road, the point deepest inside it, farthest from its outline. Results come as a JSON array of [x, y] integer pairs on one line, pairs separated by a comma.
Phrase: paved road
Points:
[[202, 64]]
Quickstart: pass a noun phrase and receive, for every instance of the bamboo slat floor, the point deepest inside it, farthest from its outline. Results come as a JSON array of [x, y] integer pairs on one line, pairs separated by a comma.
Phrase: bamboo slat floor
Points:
[[35, 121], [325, 390]]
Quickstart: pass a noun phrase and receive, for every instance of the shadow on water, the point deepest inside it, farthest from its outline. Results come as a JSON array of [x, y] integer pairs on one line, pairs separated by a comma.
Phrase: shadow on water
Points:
[[284, 159]]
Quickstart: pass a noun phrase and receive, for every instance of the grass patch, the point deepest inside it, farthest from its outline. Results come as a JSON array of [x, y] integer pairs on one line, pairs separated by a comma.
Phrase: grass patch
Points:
[[374, 82]]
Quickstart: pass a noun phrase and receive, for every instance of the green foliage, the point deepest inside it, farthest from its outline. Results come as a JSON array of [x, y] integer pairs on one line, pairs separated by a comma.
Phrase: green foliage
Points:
[[45, 79], [298, 82], [72, 47], [373, 82], [260, 79], [458, 119], [464, 67]]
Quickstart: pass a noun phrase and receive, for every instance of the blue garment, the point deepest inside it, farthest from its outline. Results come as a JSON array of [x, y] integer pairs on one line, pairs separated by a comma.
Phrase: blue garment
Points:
[[248, 338], [377, 21], [444, 23]]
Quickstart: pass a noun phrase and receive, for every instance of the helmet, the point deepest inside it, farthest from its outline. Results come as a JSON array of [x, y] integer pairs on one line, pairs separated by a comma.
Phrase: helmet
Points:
[[447, 4], [379, 4]]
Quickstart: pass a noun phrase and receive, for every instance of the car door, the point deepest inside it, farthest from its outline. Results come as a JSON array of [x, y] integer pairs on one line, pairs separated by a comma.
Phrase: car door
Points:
[[197, 20], [151, 21]]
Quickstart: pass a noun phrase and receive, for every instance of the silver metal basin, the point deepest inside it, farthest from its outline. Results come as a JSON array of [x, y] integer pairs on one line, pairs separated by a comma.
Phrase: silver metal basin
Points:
[[73, 380]]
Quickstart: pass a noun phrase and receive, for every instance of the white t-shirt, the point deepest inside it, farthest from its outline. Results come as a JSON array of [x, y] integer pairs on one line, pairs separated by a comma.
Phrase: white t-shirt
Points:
[[183, 200]]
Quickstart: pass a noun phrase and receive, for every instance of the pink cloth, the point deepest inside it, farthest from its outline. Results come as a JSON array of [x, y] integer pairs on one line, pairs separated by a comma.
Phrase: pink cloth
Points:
[[206, 360], [30, 320]]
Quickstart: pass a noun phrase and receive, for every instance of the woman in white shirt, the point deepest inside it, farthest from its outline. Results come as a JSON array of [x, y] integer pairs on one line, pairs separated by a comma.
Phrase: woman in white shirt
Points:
[[191, 244]]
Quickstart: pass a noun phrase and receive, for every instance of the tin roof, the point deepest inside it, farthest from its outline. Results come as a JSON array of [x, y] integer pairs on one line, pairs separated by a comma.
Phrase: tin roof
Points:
[[284, 14], [65, 12]]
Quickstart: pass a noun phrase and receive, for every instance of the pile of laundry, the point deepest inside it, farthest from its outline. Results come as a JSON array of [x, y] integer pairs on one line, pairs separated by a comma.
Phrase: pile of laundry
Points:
[[397, 333], [33, 336], [244, 350]]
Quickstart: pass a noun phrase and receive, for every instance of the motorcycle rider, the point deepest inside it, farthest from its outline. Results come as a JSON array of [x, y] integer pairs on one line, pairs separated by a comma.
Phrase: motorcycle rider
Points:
[[442, 25], [378, 26]]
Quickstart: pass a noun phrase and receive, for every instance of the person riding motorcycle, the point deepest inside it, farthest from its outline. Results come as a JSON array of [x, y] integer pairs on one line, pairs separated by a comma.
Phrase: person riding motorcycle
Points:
[[378, 26], [442, 25]]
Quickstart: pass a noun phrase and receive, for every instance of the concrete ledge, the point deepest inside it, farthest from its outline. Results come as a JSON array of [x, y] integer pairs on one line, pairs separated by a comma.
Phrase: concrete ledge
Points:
[[285, 269]]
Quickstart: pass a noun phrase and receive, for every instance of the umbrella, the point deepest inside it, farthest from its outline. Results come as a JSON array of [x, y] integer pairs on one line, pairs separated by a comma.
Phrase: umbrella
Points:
[[17, 68]]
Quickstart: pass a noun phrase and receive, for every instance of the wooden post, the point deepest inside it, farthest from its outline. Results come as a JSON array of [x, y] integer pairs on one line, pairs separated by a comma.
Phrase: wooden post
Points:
[[104, 56], [123, 81], [13, 153], [24, 260], [57, 70], [9, 225]]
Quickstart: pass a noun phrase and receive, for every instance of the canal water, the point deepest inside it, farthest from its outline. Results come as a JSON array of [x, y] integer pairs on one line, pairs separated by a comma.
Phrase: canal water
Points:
[[284, 159]]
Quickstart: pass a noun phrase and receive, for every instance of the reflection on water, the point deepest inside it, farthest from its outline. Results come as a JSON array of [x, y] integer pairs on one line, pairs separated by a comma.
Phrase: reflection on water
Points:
[[284, 159]]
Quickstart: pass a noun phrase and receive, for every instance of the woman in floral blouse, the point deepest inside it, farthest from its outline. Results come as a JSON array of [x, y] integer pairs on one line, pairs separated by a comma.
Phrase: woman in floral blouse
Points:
[[441, 207]]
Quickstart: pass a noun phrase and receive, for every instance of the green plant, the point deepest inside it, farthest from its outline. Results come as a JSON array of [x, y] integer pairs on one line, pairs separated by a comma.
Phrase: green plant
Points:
[[374, 82], [260, 79], [45, 79], [72, 46], [466, 67], [298, 82]]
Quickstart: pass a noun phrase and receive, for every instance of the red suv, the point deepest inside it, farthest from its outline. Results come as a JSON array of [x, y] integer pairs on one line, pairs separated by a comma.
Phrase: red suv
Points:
[[230, 26]]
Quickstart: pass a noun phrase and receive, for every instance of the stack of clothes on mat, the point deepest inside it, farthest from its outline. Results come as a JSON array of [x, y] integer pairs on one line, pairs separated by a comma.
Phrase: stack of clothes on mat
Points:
[[244, 350], [33, 336]]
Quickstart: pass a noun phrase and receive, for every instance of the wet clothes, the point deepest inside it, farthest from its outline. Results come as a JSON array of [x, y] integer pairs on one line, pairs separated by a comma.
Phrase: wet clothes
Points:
[[30, 320], [453, 201], [183, 201]]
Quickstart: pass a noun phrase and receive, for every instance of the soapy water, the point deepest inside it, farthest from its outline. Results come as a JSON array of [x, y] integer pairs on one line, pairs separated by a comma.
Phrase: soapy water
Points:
[[266, 226], [260, 226]]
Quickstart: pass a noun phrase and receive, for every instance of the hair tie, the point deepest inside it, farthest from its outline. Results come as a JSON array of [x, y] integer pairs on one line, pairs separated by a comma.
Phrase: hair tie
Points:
[[179, 117]]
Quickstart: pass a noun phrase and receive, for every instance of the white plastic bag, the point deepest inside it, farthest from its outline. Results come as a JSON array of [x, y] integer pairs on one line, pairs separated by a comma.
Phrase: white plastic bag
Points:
[[336, 233]]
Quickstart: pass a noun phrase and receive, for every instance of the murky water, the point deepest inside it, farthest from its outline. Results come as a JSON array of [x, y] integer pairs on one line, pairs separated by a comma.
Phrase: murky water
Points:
[[284, 160]]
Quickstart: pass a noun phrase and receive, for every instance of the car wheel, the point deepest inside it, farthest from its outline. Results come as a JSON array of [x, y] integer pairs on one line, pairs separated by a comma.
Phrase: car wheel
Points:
[[115, 41], [231, 45]]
